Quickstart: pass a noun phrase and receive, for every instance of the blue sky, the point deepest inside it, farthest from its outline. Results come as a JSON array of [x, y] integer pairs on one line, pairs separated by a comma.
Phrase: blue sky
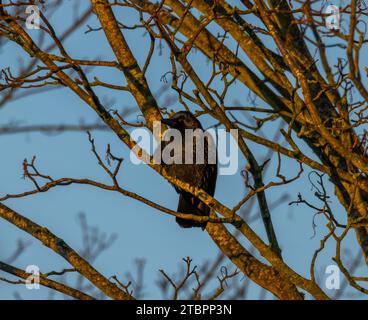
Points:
[[142, 232]]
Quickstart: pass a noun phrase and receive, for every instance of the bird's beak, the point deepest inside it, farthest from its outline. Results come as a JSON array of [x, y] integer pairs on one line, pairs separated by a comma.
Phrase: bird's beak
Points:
[[169, 122]]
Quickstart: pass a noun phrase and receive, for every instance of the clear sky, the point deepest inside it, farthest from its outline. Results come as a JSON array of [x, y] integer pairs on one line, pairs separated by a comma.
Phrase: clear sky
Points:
[[142, 232]]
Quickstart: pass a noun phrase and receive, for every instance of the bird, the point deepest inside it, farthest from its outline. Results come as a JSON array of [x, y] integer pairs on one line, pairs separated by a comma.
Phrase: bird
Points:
[[202, 175]]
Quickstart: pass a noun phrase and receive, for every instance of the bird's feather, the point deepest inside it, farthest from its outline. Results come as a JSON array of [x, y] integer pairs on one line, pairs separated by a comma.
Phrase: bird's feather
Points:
[[202, 175]]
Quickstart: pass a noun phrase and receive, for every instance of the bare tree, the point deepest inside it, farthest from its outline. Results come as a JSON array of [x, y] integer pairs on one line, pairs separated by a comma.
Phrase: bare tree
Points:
[[283, 53]]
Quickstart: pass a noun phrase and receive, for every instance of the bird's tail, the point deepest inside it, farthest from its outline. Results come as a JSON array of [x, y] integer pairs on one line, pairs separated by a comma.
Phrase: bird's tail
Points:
[[193, 206]]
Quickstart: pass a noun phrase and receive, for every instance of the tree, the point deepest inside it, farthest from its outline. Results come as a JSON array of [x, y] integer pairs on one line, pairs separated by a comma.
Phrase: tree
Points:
[[283, 53]]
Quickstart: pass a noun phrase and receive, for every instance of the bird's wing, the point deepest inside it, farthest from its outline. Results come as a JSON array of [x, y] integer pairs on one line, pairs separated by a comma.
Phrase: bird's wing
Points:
[[209, 179]]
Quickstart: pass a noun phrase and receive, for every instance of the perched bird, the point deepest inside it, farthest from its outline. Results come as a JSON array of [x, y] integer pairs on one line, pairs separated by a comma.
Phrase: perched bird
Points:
[[201, 172]]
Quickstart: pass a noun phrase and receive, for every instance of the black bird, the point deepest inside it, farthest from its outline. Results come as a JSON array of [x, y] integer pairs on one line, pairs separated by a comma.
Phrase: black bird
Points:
[[202, 175]]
